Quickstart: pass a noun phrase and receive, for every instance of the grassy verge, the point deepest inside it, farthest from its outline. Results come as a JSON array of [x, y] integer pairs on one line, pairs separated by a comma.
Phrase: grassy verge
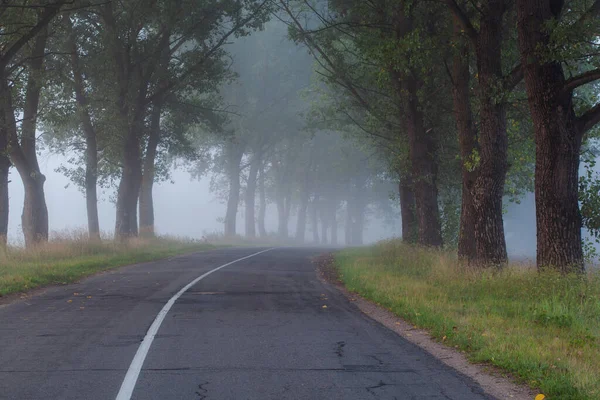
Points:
[[68, 260], [542, 328]]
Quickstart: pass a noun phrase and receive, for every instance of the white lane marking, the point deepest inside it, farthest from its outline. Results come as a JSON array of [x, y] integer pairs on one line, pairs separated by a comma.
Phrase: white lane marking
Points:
[[138, 360]]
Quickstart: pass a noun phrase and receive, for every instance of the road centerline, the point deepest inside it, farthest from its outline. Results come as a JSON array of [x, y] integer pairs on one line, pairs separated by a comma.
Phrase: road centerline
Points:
[[133, 373]]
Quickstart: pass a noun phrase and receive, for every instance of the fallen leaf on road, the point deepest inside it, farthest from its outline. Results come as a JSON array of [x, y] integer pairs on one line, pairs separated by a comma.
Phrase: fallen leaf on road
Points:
[[324, 306]]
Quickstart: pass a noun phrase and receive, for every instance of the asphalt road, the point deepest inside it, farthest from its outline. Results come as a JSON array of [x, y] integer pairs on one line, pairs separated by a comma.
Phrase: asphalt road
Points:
[[256, 329]]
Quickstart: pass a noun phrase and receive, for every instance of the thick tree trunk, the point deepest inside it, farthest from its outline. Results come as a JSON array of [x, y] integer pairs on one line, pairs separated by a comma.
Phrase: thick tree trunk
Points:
[[262, 209], [488, 188], [4, 204], [324, 217], [558, 138], [126, 225], [91, 145], [281, 221], [314, 217], [467, 138], [34, 219], [4, 163], [146, 206], [333, 223], [250, 197], [234, 157], [423, 168], [301, 222], [287, 212], [91, 187], [407, 209]]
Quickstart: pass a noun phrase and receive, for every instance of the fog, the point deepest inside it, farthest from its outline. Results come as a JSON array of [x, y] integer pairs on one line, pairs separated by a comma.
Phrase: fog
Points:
[[185, 207], [272, 119]]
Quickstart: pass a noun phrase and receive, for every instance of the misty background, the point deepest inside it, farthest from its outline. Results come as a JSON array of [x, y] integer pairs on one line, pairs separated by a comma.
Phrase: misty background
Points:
[[187, 204]]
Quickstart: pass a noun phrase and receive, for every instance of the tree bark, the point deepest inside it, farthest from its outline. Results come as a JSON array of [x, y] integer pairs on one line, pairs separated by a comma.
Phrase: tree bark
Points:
[[281, 221], [126, 225], [423, 168], [314, 216], [407, 209], [333, 222], [146, 206], [301, 222], [34, 219], [467, 138], [558, 137], [234, 153], [4, 168], [262, 209], [488, 189], [324, 217], [91, 145], [250, 198]]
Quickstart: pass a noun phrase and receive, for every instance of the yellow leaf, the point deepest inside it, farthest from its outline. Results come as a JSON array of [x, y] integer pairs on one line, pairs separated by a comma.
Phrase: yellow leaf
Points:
[[69, 301], [540, 397], [324, 306]]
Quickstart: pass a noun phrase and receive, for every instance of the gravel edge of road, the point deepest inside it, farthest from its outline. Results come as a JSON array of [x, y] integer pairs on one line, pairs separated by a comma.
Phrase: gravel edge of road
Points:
[[492, 380]]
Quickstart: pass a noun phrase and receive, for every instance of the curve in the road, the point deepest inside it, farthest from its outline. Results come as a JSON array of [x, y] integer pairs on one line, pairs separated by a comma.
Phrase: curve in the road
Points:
[[133, 372]]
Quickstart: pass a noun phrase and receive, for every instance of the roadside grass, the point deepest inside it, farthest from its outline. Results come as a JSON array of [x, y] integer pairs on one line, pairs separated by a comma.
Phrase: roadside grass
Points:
[[542, 328], [70, 257]]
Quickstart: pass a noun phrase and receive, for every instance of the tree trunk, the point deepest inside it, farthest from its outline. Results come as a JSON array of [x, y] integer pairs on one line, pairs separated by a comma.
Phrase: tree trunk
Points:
[[288, 211], [467, 138], [34, 219], [314, 216], [251, 196], [91, 145], [262, 209], [323, 213], [348, 229], [4, 167], [423, 168], [4, 162], [407, 209], [301, 223], [146, 206], [558, 138], [488, 189], [126, 225], [235, 153], [333, 223], [281, 222]]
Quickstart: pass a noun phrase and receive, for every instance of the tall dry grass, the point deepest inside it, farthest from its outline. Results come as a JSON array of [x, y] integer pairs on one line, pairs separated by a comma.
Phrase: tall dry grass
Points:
[[70, 255]]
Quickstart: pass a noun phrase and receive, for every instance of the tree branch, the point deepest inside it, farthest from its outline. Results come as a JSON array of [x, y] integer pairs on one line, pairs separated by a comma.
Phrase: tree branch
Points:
[[580, 80], [46, 16], [513, 78], [463, 20], [589, 119]]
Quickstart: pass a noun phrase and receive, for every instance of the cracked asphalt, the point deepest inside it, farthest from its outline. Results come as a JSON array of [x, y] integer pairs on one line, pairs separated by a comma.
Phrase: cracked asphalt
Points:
[[263, 328]]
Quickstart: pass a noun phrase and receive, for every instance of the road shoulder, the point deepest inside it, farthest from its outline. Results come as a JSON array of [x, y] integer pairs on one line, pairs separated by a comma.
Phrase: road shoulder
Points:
[[492, 380]]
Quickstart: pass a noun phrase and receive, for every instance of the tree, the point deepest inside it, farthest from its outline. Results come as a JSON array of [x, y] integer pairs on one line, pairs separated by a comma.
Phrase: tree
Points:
[[560, 119], [22, 49]]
